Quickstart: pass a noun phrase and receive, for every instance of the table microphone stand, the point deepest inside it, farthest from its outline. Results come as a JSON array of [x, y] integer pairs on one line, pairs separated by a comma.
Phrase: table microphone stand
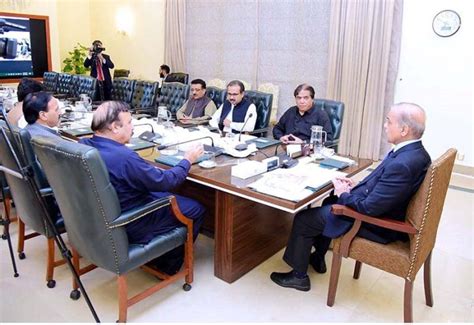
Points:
[[26, 173]]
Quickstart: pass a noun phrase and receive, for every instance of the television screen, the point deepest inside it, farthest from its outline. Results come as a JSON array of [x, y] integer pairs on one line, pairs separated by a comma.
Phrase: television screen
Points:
[[23, 46]]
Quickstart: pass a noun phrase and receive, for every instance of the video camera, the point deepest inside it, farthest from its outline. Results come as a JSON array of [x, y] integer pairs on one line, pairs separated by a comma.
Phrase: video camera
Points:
[[97, 49]]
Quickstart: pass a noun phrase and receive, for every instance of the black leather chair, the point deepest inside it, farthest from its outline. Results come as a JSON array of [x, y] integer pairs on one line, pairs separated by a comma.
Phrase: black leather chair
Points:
[[217, 95], [84, 85], [335, 111], [121, 73], [144, 96], [122, 89], [95, 222], [263, 103], [64, 85], [27, 204], [50, 80], [178, 77], [173, 95]]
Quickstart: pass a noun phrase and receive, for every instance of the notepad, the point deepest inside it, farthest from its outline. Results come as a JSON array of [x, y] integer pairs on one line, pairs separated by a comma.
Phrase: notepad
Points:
[[78, 132], [333, 163], [262, 143]]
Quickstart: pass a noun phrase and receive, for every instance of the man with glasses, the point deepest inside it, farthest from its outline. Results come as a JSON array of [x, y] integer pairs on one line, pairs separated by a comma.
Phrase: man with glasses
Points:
[[237, 114], [199, 108]]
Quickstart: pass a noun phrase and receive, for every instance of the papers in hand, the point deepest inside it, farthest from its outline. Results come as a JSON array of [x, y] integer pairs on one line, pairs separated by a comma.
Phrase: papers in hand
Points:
[[295, 184]]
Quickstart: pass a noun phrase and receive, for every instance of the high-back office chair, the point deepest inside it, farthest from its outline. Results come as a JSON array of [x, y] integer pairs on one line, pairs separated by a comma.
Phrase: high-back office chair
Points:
[[50, 80], [63, 86], [173, 95], [95, 223], [178, 77], [218, 95], [335, 111], [122, 89], [28, 206], [84, 85], [275, 91], [403, 259], [144, 96], [121, 73], [263, 103]]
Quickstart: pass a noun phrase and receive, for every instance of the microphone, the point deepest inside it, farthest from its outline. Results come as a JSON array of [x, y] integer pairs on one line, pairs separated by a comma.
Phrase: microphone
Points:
[[147, 135], [243, 146], [164, 146]]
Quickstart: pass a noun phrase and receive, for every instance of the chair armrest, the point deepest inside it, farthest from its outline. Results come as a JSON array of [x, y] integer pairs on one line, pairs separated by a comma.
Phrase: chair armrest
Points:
[[381, 222], [139, 212], [347, 238]]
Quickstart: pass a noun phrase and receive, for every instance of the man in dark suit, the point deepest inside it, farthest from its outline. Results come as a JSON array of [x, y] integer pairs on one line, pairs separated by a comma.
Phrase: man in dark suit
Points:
[[385, 192], [100, 64]]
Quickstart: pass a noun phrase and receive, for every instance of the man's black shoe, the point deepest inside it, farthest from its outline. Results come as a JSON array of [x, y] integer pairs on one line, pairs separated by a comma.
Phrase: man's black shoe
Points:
[[318, 263], [289, 280]]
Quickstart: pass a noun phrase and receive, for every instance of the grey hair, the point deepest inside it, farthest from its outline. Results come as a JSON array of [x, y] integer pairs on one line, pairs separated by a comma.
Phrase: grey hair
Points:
[[107, 113], [413, 116]]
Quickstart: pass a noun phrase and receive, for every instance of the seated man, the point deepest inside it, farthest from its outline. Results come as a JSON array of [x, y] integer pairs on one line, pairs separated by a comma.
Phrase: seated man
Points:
[[237, 114], [385, 192], [137, 182], [25, 87], [41, 111], [199, 108], [295, 124]]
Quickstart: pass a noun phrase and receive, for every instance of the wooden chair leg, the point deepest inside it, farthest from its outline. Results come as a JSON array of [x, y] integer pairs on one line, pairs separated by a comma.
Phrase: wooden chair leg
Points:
[[335, 270], [21, 237], [6, 208], [188, 259], [50, 264], [77, 267], [427, 281], [408, 302], [122, 291], [357, 267]]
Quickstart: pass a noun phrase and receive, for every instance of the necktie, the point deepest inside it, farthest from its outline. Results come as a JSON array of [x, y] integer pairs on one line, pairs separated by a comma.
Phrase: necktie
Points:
[[100, 73]]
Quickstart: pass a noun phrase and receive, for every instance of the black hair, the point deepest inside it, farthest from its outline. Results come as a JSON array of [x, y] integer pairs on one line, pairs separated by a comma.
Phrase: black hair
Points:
[[199, 82], [96, 41], [237, 83], [27, 86], [34, 103], [165, 67], [304, 87]]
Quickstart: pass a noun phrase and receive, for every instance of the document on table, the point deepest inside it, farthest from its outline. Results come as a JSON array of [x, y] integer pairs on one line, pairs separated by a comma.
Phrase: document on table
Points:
[[296, 183]]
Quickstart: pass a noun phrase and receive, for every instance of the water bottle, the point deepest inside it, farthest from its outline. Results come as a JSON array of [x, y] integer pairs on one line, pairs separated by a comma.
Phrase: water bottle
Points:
[[318, 137]]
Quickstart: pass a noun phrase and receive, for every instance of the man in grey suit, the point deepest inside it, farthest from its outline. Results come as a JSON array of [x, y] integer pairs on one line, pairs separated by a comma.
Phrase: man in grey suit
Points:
[[41, 111]]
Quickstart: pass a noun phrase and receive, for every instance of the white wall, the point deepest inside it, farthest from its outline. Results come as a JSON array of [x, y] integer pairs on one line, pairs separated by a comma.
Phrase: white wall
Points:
[[437, 74]]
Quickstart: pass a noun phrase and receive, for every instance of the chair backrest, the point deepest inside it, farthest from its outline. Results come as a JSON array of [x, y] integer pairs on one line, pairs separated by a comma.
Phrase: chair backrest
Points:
[[425, 209], [121, 73], [173, 95], [275, 91], [27, 203], [86, 198], [218, 83], [247, 84], [216, 94], [85, 85], [63, 85], [178, 77], [263, 102], [122, 89], [144, 93], [50, 80], [335, 111]]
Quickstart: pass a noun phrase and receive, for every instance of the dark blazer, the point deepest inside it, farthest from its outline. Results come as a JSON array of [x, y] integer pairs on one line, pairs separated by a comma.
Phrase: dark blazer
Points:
[[105, 68], [386, 192]]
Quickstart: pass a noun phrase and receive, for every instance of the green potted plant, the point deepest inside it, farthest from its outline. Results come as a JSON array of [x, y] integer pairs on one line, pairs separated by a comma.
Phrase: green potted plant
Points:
[[75, 62]]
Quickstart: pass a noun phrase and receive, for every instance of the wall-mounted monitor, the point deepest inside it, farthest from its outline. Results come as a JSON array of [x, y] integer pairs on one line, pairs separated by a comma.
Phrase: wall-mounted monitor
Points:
[[24, 46]]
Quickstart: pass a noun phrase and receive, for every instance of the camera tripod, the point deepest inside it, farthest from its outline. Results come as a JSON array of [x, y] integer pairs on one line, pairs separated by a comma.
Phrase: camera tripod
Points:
[[24, 172]]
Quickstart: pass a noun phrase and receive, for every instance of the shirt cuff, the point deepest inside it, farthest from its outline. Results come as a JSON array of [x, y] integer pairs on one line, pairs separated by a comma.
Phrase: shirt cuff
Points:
[[185, 164]]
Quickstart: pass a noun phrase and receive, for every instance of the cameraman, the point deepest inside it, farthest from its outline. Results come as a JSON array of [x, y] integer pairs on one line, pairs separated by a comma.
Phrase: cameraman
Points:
[[100, 64]]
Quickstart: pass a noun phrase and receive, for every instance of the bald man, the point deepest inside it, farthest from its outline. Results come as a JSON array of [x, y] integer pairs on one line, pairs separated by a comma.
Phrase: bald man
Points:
[[385, 192]]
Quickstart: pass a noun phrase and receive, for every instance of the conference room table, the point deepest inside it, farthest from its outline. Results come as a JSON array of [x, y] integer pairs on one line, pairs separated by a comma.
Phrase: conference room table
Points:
[[248, 227]]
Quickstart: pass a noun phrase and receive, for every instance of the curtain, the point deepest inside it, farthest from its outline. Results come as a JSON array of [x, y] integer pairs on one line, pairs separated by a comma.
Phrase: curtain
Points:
[[364, 50], [175, 32]]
